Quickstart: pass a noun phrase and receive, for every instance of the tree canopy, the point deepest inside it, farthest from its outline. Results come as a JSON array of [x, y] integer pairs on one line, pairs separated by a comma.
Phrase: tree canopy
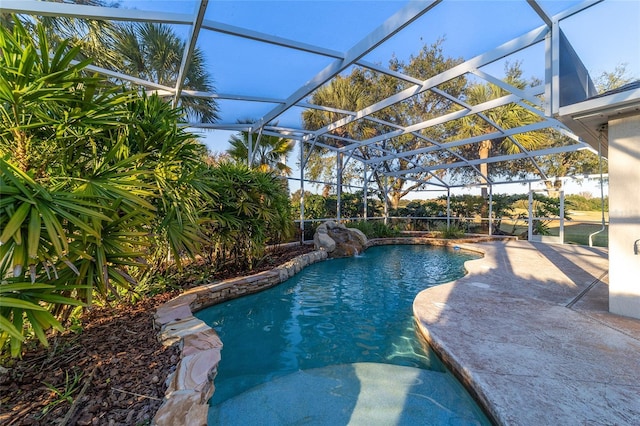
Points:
[[362, 87], [266, 153], [405, 154]]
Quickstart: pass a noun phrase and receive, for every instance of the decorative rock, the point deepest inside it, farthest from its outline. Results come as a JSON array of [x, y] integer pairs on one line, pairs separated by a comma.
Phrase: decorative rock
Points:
[[193, 373], [202, 341], [338, 240], [175, 309], [284, 274], [183, 408], [360, 236], [173, 331], [322, 240]]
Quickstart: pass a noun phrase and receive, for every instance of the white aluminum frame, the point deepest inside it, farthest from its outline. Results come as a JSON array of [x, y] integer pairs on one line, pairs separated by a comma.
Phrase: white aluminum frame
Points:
[[548, 33]]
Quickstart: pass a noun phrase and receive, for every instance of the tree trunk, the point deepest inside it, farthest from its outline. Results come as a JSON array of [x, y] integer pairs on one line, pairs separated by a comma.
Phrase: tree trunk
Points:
[[553, 188], [394, 198], [483, 152]]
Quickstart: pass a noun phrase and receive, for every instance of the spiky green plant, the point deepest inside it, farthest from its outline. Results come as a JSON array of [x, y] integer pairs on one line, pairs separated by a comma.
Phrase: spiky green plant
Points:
[[98, 186], [93, 180], [74, 210], [251, 208]]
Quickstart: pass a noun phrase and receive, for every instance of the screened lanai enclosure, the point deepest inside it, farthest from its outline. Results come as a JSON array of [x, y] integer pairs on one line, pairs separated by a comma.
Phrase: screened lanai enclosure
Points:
[[384, 97], [379, 101]]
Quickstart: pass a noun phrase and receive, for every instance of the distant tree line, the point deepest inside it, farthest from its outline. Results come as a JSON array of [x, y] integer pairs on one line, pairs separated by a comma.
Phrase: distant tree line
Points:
[[430, 214]]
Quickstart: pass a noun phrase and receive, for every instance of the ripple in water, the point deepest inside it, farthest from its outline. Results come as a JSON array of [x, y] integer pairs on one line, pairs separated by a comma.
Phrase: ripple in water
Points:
[[336, 312]]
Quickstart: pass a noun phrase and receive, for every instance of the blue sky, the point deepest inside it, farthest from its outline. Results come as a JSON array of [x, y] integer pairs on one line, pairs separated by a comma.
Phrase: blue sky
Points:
[[604, 36]]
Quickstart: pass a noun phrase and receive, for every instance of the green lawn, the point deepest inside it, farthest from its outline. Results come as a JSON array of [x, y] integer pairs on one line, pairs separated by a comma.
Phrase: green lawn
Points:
[[576, 231]]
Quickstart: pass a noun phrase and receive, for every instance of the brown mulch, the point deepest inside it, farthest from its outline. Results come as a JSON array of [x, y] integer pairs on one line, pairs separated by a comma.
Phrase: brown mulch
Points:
[[112, 371]]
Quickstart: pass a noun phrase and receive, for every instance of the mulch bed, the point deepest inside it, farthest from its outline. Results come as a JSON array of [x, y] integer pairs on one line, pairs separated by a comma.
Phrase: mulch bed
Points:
[[111, 372]]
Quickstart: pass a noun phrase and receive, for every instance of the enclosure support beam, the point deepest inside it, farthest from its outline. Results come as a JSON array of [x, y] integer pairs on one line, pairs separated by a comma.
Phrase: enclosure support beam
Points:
[[250, 147], [561, 235], [470, 140], [255, 146], [490, 210], [69, 10], [553, 59], [497, 159], [338, 185], [500, 52], [302, 165], [386, 203], [540, 11], [189, 48], [384, 32], [448, 208], [530, 225], [365, 193], [602, 207]]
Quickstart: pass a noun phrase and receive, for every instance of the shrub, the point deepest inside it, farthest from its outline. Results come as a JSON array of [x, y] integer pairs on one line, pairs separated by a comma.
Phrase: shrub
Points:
[[580, 202], [98, 187], [452, 232], [250, 208], [375, 229]]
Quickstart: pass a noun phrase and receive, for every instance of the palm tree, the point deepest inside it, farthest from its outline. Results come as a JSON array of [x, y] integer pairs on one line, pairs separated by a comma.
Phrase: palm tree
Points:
[[153, 52], [145, 50], [503, 117], [346, 93], [93, 37], [268, 153], [342, 93]]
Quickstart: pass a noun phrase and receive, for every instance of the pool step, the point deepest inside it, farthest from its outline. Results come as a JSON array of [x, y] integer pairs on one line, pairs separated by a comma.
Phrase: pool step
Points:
[[354, 394]]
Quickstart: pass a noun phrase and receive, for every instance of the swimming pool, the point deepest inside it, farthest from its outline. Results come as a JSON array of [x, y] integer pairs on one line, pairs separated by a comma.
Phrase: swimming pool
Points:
[[354, 312]]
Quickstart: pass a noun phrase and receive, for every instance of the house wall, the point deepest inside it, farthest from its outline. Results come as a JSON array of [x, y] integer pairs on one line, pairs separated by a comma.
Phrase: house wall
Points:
[[624, 216]]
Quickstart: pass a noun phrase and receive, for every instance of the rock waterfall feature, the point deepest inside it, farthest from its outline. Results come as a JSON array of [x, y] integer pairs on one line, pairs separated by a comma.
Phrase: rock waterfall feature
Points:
[[338, 240]]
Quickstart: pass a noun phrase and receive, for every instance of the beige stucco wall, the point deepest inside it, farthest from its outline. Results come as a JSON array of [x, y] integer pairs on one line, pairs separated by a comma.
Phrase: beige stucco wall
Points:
[[624, 216]]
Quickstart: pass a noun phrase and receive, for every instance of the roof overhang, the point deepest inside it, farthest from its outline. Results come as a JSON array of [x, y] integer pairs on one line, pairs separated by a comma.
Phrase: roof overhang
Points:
[[588, 119]]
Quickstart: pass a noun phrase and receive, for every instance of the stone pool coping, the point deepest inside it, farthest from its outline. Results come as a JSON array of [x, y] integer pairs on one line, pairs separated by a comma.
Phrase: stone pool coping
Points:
[[192, 384]]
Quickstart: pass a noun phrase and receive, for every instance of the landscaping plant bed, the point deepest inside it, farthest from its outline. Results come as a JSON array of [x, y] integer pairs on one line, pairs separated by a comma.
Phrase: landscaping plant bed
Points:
[[112, 369]]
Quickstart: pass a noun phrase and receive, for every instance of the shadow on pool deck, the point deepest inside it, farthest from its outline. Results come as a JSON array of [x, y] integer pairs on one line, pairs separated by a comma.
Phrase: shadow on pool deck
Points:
[[529, 332]]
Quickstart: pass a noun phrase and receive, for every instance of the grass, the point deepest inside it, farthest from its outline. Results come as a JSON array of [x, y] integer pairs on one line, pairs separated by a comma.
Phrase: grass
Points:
[[452, 232], [576, 231]]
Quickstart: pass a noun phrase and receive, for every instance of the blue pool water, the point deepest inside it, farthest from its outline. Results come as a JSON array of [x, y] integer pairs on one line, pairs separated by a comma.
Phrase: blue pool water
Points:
[[337, 312]]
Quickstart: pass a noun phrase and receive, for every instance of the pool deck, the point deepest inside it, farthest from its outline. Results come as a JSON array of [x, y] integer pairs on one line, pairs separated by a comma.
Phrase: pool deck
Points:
[[529, 332]]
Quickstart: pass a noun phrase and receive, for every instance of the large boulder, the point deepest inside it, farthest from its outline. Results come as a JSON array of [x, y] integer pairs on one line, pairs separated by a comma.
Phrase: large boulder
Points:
[[322, 240], [360, 236], [338, 240]]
